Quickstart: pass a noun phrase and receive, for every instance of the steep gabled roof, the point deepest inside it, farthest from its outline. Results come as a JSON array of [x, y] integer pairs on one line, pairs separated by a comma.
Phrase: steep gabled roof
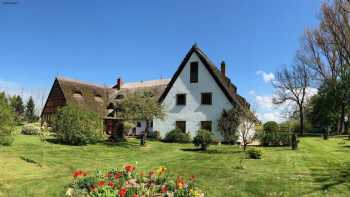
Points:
[[223, 82]]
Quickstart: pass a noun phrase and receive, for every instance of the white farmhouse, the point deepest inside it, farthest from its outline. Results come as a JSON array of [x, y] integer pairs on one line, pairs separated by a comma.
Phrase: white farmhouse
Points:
[[194, 98]]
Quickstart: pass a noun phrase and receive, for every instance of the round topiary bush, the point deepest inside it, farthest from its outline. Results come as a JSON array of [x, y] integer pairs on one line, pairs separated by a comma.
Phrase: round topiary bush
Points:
[[271, 127], [177, 136], [203, 139], [30, 129], [76, 126]]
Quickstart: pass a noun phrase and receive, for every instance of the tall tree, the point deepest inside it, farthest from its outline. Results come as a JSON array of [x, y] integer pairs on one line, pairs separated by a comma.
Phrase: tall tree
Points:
[[30, 110], [327, 52], [16, 103], [291, 84], [142, 107]]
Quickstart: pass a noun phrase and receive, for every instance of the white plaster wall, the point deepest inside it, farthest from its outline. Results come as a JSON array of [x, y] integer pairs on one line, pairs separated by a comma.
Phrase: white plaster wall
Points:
[[140, 129], [193, 112]]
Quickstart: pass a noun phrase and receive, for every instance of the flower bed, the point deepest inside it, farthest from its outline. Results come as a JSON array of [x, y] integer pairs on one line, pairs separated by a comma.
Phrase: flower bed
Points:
[[127, 182]]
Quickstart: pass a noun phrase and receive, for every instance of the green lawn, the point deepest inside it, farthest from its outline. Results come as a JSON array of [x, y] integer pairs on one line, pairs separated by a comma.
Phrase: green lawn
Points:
[[318, 168]]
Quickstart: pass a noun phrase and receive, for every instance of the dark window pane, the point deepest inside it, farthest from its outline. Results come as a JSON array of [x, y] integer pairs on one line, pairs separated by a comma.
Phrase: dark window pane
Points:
[[138, 124], [181, 125], [181, 99], [206, 125], [194, 72], [206, 98]]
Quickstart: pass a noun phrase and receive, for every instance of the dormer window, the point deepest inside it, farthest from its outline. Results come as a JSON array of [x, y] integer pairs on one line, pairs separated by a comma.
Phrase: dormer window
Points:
[[119, 97], [98, 98], [77, 94], [194, 72]]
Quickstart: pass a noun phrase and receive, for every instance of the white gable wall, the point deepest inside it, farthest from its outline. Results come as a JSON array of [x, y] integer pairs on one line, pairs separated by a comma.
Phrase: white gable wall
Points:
[[193, 112]]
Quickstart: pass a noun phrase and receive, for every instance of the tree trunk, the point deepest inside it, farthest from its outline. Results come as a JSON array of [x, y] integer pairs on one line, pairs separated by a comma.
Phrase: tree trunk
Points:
[[145, 133], [301, 117], [294, 141], [342, 119]]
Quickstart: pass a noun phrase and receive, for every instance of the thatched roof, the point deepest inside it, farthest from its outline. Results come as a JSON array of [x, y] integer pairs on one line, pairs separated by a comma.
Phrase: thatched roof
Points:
[[156, 87], [88, 96], [96, 98]]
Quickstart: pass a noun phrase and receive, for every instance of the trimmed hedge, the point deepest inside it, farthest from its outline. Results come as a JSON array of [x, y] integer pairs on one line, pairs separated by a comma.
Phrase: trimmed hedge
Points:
[[177, 136], [274, 139]]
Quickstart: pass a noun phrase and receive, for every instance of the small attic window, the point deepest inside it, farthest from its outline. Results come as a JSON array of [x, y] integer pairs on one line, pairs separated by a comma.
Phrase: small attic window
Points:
[[98, 98], [77, 94], [119, 97]]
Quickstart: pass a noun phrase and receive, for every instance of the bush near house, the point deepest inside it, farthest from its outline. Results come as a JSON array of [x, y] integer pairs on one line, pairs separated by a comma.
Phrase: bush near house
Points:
[[177, 136], [30, 129], [127, 183], [203, 139], [76, 126]]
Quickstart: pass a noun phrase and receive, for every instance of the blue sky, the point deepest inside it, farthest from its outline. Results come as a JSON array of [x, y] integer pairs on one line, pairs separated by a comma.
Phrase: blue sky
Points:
[[97, 41]]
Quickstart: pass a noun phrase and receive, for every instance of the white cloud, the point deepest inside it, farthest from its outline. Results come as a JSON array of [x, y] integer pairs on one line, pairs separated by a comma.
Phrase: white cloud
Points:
[[268, 111], [267, 77], [251, 92], [13, 88]]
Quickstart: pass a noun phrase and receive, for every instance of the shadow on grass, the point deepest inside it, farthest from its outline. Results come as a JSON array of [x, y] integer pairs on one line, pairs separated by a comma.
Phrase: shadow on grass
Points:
[[332, 176], [124, 144], [210, 151]]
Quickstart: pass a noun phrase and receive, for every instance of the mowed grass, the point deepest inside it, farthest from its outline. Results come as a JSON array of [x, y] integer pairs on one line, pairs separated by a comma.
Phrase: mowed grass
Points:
[[318, 168]]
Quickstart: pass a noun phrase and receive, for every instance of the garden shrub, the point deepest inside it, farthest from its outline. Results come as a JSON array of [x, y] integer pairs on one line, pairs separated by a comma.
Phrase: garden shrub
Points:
[[127, 182], [7, 122], [30, 129], [6, 139], [254, 153], [177, 136], [203, 139], [274, 138], [76, 126]]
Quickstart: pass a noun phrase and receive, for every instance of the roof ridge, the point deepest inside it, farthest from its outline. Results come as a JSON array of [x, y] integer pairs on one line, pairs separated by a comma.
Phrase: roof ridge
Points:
[[80, 82]]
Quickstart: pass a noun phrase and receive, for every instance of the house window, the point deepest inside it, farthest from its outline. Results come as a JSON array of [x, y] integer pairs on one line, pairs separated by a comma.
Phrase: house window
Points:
[[181, 99], [138, 124], [206, 98], [194, 72], [181, 125], [206, 125]]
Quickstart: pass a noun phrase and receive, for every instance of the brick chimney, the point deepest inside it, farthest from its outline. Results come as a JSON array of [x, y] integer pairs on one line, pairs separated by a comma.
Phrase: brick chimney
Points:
[[119, 83], [223, 68]]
